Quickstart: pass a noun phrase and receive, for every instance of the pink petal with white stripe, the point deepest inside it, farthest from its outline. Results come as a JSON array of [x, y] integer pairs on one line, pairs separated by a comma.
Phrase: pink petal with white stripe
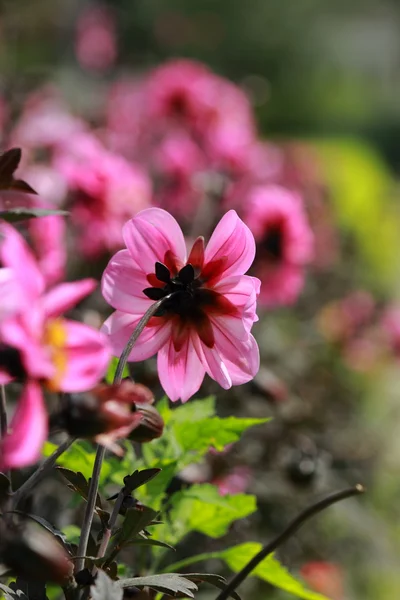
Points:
[[232, 240], [122, 285], [119, 327], [180, 373], [151, 234], [65, 296]]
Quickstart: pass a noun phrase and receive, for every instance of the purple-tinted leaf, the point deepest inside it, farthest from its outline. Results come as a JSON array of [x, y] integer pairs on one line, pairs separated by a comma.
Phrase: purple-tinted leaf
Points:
[[105, 588], [170, 584]]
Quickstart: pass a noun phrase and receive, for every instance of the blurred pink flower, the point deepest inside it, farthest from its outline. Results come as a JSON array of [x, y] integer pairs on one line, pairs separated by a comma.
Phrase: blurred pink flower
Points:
[[28, 430], [205, 327], [45, 122], [37, 344], [95, 43], [107, 191], [390, 325], [284, 241], [236, 481], [325, 578], [343, 319]]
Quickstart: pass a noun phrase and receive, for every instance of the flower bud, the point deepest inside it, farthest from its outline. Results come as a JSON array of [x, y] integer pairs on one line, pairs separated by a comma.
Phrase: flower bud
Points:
[[151, 425], [109, 412], [34, 554]]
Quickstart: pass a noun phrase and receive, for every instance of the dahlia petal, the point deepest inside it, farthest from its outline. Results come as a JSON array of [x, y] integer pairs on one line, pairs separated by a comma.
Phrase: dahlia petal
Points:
[[87, 355], [242, 292], [231, 239], [16, 254], [213, 364], [196, 256], [28, 431], [150, 235], [122, 285], [180, 372], [11, 298], [119, 327], [242, 360], [35, 359], [66, 295]]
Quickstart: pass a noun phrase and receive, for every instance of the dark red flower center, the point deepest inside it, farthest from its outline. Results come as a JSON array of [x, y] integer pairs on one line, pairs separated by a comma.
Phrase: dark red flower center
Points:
[[191, 302], [272, 244]]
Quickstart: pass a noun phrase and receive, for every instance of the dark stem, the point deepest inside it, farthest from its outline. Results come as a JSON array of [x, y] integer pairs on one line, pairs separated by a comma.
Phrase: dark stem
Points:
[[41, 471], [94, 481], [285, 535], [3, 421]]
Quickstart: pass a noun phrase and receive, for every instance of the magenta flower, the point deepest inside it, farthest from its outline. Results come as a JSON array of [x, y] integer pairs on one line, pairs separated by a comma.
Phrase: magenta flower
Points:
[[28, 430], [205, 327], [38, 346], [107, 190], [284, 240]]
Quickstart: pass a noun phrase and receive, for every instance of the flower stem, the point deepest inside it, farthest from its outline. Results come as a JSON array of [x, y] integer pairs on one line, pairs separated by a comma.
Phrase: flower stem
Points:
[[94, 481], [40, 472], [3, 421], [285, 535]]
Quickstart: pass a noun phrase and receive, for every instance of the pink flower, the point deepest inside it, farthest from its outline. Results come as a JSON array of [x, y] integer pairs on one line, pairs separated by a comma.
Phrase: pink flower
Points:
[[107, 191], [28, 429], [38, 345], [95, 44], [205, 326], [284, 242], [325, 578]]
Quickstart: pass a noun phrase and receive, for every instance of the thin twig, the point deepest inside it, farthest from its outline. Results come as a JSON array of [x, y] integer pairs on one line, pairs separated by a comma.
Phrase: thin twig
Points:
[[44, 468], [286, 534], [135, 335], [90, 506], [3, 421], [94, 482]]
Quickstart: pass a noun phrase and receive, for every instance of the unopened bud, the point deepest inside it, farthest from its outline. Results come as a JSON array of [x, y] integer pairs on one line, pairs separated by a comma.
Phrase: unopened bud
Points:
[[150, 427]]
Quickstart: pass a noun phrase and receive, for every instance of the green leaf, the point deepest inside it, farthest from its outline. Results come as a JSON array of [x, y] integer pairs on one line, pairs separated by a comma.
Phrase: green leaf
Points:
[[170, 584], [139, 478], [20, 214], [195, 410], [135, 521], [269, 570], [105, 589], [197, 437], [112, 367], [149, 542], [201, 508]]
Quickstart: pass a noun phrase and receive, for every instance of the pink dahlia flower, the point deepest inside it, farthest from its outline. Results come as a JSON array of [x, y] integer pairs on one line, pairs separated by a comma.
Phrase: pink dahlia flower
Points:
[[205, 326], [108, 190], [38, 346], [284, 240]]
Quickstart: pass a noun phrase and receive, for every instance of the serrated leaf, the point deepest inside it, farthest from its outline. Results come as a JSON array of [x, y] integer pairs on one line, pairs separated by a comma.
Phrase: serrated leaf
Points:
[[197, 410], [138, 478], [10, 594], [149, 542], [170, 584], [78, 483], [112, 367], [199, 436], [33, 590], [105, 588], [135, 521], [216, 580], [269, 570], [201, 508], [20, 214]]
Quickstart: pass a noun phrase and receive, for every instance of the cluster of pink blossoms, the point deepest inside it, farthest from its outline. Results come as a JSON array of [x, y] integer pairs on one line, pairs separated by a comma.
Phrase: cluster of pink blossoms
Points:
[[180, 138]]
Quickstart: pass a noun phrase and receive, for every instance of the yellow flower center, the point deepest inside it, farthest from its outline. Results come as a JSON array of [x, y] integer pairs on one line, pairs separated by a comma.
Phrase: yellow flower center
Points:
[[55, 338]]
